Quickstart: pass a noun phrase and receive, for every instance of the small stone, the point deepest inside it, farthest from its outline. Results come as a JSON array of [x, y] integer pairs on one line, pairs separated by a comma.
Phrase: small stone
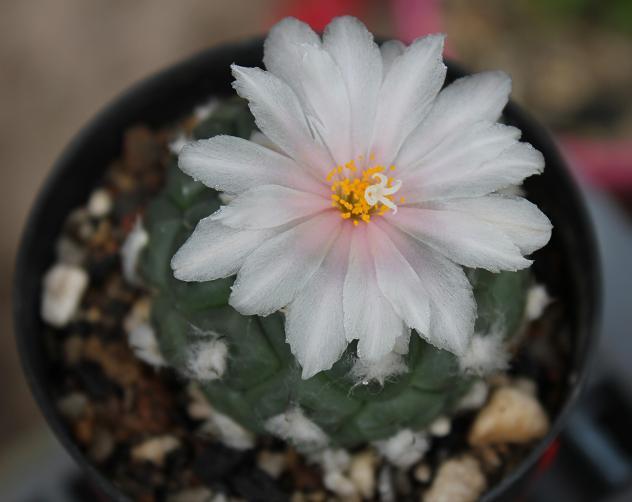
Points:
[[73, 406], [474, 398], [198, 494], [138, 314], [537, 300], [229, 432], [440, 427], [142, 340], [272, 463], [134, 243], [404, 449], [100, 203], [64, 286], [490, 458], [526, 385], [73, 349], [422, 473], [69, 252], [216, 462], [102, 445], [457, 480], [155, 450], [385, 486], [403, 484], [332, 460], [362, 473], [510, 416], [341, 485]]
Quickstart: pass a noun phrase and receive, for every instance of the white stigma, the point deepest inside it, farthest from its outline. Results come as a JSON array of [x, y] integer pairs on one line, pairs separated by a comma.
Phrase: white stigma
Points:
[[378, 192]]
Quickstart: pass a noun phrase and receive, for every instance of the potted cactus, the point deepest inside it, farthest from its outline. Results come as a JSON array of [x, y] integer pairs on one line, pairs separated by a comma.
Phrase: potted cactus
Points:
[[329, 275]]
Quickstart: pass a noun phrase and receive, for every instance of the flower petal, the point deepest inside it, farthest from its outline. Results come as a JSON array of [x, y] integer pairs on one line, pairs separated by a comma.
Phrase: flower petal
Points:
[[352, 47], [368, 315], [398, 281], [452, 305], [522, 221], [283, 50], [279, 115], [326, 104], [234, 165], [407, 94], [510, 168], [268, 206], [272, 275], [214, 251], [458, 155], [461, 237], [390, 50], [471, 99], [314, 323]]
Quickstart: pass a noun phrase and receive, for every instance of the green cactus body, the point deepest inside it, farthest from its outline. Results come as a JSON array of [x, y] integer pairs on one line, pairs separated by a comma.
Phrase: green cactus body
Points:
[[262, 378]]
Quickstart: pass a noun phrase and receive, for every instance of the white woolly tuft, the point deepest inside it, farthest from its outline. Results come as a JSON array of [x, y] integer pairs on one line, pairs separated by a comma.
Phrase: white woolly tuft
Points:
[[485, 354], [295, 427], [142, 339], [207, 360], [537, 300], [228, 431], [134, 243], [404, 449], [389, 366]]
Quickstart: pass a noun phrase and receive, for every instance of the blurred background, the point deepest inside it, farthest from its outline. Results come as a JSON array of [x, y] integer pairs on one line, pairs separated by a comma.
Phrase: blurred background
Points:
[[571, 62]]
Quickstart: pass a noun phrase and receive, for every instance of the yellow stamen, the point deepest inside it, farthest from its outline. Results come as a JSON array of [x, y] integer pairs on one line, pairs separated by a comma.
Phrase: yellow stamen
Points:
[[360, 195]]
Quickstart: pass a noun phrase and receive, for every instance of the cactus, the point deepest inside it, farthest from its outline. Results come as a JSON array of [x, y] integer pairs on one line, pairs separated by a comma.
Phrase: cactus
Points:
[[260, 378]]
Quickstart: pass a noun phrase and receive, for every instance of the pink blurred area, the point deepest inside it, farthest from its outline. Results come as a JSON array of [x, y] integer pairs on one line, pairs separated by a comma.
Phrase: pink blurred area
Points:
[[62, 60]]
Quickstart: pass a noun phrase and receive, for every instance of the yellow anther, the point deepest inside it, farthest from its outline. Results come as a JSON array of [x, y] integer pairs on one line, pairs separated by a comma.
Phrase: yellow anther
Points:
[[350, 195]]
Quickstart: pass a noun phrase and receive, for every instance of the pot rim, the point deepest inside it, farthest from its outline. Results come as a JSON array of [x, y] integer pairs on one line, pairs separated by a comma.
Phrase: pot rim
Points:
[[128, 99]]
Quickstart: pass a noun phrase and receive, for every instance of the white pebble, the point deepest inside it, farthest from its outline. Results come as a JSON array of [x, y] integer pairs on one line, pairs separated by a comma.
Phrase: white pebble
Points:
[[457, 480], [100, 203], [134, 243], [64, 286], [537, 300], [272, 463], [339, 484], [511, 416], [73, 405], [228, 431], [155, 450], [440, 427], [362, 473], [142, 340], [404, 448], [475, 397]]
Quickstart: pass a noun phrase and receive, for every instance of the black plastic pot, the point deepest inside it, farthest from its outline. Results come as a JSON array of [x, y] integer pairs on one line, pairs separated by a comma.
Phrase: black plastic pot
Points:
[[172, 94]]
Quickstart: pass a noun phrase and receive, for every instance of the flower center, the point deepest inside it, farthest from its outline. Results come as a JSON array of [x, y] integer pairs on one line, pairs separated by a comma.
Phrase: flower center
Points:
[[361, 195]]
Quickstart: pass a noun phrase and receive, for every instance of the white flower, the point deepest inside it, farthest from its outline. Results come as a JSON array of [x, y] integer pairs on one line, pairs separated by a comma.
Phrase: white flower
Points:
[[317, 229]]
